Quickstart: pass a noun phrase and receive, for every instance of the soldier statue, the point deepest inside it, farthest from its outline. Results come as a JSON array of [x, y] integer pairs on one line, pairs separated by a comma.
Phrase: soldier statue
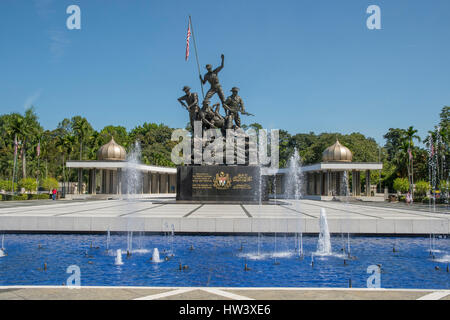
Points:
[[212, 77], [234, 105], [210, 116], [190, 102]]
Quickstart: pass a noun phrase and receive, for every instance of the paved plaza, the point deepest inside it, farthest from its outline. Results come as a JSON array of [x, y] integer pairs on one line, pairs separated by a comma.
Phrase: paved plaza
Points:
[[164, 214], [211, 293]]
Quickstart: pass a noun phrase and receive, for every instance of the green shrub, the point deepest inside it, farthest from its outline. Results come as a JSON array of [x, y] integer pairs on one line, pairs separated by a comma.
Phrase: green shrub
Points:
[[42, 196], [24, 196], [49, 184], [422, 187], [20, 197], [444, 186], [402, 198], [5, 185], [401, 185], [29, 184]]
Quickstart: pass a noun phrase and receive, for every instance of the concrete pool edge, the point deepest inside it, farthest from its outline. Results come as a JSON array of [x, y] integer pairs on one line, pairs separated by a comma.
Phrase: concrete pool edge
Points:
[[222, 234], [363, 226]]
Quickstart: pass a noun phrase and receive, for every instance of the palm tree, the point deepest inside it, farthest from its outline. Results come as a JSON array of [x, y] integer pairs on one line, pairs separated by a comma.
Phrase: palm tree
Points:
[[65, 144], [26, 128], [402, 158], [82, 129], [46, 142], [410, 135]]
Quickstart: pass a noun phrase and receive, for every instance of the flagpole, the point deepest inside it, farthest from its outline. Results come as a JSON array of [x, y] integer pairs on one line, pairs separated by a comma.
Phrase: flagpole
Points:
[[196, 55], [38, 168], [15, 157]]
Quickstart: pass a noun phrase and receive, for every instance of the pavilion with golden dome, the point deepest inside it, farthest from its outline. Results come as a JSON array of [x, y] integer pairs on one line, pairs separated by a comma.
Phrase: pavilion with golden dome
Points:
[[330, 177], [322, 181], [107, 174]]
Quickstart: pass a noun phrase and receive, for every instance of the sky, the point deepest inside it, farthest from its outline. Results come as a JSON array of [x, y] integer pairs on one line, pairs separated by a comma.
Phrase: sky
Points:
[[301, 65]]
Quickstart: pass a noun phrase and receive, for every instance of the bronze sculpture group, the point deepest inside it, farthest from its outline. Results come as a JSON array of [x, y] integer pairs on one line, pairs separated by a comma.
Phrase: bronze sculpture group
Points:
[[210, 116]]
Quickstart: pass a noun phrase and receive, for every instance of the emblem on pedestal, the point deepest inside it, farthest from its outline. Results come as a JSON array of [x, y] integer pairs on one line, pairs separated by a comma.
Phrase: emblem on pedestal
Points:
[[222, 181]]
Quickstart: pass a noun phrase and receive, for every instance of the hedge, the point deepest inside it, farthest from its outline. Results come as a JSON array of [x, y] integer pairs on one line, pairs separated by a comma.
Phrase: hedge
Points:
[[20, 197], [49, 184], [401, 185]]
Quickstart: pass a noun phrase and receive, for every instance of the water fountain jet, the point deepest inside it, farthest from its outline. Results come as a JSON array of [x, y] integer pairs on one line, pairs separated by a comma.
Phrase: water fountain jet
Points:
[[118, 261], [323, 244], [155, 256], [108, 240]]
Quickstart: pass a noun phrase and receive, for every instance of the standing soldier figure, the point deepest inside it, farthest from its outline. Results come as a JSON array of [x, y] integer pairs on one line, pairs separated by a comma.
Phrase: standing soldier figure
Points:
[[213, 79], [234, 105], [190, 102]]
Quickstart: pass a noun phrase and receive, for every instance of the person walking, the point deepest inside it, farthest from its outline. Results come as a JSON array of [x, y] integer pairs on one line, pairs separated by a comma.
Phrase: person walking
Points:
[[408, 198], [54, 194]]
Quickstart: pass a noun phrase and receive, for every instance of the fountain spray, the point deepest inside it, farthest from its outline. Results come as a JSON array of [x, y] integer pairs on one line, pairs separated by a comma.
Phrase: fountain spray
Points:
[[108, 239], [324, 243], [293, 190], [155, 256], [118, 260]]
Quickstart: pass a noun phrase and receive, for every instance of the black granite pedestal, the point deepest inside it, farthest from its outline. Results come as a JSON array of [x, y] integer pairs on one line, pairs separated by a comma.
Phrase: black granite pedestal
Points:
[[221, 184]]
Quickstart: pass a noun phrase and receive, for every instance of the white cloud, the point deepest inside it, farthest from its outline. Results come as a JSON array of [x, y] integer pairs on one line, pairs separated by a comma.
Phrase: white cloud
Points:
[[58, 43], [32, 99]]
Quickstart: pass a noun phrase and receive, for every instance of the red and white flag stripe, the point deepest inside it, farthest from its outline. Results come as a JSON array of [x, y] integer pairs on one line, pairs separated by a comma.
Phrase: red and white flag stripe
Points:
[[187, 40]]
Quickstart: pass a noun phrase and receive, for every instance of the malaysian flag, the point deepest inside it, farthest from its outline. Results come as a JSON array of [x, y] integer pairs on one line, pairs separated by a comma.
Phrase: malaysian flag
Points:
[[187, 40], [38, 149]]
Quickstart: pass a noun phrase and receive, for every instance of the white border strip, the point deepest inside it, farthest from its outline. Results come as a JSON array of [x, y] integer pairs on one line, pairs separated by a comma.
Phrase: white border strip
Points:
[[225, 288], [164, 294], [437, 295], [226, 294]]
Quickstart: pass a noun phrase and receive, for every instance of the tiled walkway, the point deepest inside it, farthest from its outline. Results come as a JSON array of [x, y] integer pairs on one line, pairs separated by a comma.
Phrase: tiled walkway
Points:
[[207, 293], [155, 215]]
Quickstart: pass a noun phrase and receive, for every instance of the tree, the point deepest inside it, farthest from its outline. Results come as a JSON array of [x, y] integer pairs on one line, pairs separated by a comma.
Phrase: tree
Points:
[[82, 130], [422, 187], [156, 144], [444, 186], [25, 128], [49, 183], [29, 184], [5, 185], [394, 138], [65, 144], [119, 133], [410, 135], [401, 185]]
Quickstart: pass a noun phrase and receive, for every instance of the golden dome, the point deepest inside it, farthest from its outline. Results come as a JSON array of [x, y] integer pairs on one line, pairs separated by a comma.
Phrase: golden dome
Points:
[[337, 152], [111, 151]]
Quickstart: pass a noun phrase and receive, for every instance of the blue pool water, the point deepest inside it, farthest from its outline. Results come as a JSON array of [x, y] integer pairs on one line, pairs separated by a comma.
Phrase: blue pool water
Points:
[[219, 261]]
